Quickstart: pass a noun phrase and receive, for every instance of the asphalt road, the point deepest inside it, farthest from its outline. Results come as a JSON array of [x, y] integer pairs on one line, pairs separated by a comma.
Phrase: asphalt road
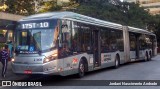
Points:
[[133, 71]]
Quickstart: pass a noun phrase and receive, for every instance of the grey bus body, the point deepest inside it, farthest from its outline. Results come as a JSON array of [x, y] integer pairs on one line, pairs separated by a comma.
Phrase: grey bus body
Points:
[[58, 42]]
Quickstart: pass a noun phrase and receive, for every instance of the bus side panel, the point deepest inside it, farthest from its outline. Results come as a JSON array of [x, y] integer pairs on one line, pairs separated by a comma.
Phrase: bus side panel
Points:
[[133, 55], [90, 63], [70, 67], [71, 63], [107, 59], [142, 54], [122, 57]]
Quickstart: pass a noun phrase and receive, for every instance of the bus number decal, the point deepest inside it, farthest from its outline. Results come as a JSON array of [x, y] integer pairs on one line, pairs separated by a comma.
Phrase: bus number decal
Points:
[[35, 25], [44, 24]]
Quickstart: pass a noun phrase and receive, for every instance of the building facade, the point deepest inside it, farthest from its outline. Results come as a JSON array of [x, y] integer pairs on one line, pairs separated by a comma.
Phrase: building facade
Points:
[[7, 22], [152, 5]]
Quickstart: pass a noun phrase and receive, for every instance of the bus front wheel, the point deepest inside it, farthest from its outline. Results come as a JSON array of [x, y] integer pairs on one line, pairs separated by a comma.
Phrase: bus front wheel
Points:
[[81, 69]]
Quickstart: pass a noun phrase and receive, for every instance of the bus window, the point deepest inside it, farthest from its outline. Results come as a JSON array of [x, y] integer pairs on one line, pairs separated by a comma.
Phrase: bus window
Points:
[[34, 38], [56, 34], [142, 40], [65, 49], [24, 37], [81, 36], [85, 37], [113, 40], [76, 43], [119, 38], [105, 42], [108, 40], [132, 38]]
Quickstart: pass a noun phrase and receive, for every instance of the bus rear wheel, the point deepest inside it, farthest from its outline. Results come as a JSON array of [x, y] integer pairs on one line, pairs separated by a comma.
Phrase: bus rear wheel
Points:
[[150, 56], [117, 61], [81, 69], [146, 57]]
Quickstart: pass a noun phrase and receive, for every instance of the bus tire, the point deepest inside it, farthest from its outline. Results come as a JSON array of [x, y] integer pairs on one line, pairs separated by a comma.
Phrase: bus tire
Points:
[[81, 69], [146, 57], [150, 56], [117, 61]]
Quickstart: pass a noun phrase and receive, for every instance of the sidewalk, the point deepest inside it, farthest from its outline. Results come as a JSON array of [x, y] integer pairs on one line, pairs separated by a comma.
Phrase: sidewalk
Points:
[[9, 74]]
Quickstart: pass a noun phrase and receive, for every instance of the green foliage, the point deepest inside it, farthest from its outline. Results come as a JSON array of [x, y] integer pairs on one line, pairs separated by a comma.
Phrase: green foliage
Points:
[[124, 13], [48, 6], [129, 14], [21, 7]]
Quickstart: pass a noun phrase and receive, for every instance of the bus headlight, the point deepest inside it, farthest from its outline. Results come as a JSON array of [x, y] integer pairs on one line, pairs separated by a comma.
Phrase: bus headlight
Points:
[[50, 58], [46, 60]]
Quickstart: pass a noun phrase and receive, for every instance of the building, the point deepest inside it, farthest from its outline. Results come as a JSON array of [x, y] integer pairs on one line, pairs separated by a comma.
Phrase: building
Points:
[[152, 5], [7, 22]]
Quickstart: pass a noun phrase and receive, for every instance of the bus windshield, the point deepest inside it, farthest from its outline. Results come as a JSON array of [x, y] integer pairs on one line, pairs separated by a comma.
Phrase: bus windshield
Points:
[[37, 39]]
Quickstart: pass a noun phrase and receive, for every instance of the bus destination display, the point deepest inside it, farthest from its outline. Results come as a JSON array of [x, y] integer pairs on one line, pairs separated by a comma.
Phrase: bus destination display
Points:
[[35, 25]]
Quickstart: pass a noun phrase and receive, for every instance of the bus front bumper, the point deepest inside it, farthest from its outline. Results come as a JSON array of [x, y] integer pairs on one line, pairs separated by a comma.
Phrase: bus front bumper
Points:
[[34, 69]]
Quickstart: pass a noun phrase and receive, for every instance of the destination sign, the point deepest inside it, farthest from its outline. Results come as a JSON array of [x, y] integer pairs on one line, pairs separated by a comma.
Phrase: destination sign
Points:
[[37, 24]]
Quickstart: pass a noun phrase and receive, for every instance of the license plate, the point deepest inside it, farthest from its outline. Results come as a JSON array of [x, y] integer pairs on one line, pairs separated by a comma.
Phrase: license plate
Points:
[[27, 72]]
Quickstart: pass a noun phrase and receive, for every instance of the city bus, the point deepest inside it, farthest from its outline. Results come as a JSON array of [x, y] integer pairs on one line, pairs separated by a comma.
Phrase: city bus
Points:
[[65, 43]]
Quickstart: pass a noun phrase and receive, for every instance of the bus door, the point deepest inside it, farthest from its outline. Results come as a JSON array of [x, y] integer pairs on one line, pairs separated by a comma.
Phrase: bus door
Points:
[[96, 48], [137, 46], [134, 46]]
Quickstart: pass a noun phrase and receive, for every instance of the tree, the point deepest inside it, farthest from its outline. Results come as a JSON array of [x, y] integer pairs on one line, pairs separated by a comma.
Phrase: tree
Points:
[[3, 6], [21, 7], [71, 5], [50, 6], [54, 5], [111, 10]]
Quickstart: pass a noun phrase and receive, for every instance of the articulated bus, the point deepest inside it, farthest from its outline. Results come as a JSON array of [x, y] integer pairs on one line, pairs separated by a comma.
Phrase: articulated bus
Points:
[[65, 43]]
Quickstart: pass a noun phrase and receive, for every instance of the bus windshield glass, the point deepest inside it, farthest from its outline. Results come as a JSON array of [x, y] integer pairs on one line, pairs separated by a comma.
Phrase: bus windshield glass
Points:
[[35, 36]]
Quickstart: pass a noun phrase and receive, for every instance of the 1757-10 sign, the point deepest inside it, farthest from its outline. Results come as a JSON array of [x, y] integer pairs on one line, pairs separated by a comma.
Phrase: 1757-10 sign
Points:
[[36, 24]]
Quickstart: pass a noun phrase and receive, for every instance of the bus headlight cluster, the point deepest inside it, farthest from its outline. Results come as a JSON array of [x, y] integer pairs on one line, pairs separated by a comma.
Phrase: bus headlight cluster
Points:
[[50, 58], [47, 60]]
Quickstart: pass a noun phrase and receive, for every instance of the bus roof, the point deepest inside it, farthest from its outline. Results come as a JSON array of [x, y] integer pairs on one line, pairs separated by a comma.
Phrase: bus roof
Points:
[[138, 30], [73, 16], [82, 18]]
